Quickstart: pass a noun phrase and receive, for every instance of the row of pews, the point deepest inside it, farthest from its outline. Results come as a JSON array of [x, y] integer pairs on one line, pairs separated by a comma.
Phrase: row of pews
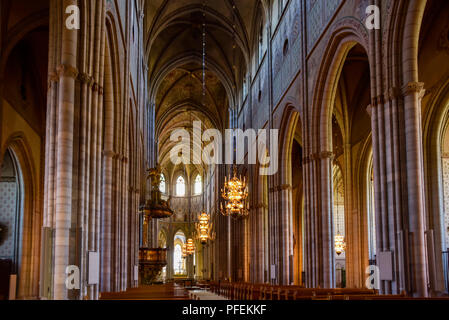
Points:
[[247, 291], [208, 290], [149, 292]]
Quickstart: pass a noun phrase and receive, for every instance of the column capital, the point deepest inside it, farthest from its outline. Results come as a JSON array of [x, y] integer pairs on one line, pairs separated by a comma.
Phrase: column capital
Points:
[[109, 154], [65, 70], [326, 155], [318, 156], [84, 78], [413, 87], [283, 187]]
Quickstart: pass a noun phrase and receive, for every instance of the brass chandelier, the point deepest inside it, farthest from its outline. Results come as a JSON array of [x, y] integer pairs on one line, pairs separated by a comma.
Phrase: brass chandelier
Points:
[[204, 228], [235, 194], [235, 190], [188, 248], [340, 245]]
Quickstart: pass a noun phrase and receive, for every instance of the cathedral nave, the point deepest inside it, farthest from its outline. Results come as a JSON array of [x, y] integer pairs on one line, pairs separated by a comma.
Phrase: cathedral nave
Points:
[[235, 149]]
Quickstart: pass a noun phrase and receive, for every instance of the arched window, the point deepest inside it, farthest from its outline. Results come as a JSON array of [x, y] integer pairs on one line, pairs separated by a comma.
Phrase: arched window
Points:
[[180, 186], [162, 184], [178, 263], [197, 188]]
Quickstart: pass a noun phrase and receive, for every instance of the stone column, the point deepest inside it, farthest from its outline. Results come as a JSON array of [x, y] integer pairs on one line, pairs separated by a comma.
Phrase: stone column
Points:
[[262, 250], [413, 93], [398, 187], [285, 232], [383, 162], [318, 240], [326, 223], [310, 266], [352, 223], [273, 236], [108, 155], [67, 72]]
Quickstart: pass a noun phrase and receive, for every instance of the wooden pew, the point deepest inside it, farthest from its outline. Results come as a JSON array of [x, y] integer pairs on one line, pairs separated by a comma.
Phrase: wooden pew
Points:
[[248, 291]]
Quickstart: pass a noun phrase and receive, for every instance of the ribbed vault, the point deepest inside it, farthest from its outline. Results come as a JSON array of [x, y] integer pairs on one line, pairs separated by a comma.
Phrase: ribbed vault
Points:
[[173, 44]]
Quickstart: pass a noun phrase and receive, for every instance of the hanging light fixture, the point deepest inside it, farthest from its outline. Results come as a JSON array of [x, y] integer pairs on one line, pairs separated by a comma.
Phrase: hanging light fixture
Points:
[[204, 228], [340, 245], [235, 194], [189, 247], [235, 190], [339, 240]]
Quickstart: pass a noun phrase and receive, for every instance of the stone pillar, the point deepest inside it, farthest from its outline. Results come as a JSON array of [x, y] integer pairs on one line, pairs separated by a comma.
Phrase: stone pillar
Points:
[[326, 223], [262, 250], [67, 72], [413, 93], [318, 239], [108, 155], [310, 252], [285, 232], [352, 222], [399, 187], [273, 235]]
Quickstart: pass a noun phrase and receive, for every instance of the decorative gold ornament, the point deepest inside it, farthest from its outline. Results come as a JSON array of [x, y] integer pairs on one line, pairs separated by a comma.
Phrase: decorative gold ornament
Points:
[[151, 262], [235, 194], [204, 228], [340, 245]]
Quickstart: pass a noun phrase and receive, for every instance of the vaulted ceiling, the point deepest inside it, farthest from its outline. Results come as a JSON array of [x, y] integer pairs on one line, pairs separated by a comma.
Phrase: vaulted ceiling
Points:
[[173, 44]]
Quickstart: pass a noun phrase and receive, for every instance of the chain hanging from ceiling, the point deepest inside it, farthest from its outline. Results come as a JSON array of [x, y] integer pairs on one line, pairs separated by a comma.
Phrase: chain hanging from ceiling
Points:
[[235, 190]]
